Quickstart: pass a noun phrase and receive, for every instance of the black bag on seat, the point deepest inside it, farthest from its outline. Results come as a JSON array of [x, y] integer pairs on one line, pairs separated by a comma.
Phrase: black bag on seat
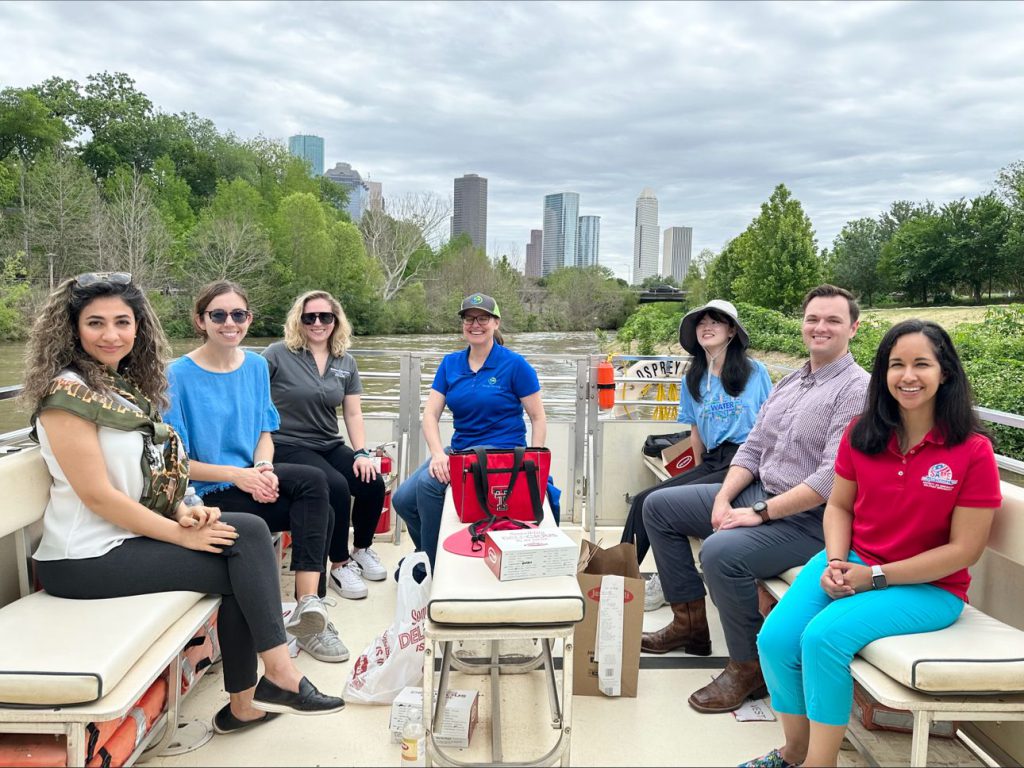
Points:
[[655, 444]]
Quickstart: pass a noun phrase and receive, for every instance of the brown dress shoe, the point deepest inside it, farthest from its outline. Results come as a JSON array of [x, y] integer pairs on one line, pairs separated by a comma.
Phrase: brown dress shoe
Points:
[[688, 630], [739, 681]]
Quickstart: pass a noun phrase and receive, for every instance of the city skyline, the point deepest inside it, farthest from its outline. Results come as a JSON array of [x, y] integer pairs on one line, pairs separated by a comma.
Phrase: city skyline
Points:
[[646, 236], [906, 101], [469, 208]]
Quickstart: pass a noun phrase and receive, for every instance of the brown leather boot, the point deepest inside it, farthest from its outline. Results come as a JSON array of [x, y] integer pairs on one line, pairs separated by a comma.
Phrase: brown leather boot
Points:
[[688, 630], [739, 681]]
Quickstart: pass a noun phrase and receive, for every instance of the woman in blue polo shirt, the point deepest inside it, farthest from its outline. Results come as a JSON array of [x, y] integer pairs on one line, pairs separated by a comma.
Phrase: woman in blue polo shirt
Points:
[[487, 387]]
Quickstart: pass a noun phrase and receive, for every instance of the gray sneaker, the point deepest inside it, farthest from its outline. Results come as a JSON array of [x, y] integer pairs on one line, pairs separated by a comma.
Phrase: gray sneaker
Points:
[[325, 646], [308, 618], [654, 598]]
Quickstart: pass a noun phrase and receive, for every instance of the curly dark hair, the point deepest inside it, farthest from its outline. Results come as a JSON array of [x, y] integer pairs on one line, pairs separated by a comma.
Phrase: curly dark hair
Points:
[[54, 344]]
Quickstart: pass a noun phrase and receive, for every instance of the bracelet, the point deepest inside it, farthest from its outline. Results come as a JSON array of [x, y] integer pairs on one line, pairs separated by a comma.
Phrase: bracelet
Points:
[[362, 452], [263, 463], [834, 559]]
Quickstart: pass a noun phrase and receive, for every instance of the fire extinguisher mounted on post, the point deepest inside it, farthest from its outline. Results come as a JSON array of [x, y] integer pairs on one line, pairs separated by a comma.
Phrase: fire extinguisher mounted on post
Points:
[[385, 465]]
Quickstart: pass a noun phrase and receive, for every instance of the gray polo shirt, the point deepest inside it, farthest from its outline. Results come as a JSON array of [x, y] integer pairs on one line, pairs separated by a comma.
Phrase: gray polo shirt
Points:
[[307, 401]]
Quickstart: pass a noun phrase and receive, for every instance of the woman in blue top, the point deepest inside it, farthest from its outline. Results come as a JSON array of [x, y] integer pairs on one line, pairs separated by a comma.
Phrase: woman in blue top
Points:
[[722, 391], [221, 407], [487, 387]]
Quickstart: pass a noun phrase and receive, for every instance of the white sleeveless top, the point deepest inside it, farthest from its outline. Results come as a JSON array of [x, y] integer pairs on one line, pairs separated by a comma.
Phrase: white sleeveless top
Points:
[[72, 531]]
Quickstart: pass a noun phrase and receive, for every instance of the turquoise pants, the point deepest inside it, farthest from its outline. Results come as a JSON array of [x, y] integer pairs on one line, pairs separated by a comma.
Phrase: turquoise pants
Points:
[[808, 640]]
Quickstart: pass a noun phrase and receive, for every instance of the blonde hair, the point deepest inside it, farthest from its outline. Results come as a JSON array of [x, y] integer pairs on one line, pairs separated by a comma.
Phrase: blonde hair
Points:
[[340, 338]]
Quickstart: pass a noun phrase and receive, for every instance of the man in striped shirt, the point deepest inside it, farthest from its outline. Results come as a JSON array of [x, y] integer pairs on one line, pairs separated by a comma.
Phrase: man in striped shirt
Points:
[[765, 517]]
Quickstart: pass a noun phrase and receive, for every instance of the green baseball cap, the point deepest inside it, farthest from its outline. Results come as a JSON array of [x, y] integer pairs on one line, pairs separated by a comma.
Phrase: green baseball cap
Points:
[[480, 301]]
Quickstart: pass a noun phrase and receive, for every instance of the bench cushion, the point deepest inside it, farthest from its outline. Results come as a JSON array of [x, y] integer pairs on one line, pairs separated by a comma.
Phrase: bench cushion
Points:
[[465, 591], [54, 651], [977, 654]]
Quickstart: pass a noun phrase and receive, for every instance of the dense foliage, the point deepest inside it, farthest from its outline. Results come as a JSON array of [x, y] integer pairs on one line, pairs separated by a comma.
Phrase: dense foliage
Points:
[[94, 177]]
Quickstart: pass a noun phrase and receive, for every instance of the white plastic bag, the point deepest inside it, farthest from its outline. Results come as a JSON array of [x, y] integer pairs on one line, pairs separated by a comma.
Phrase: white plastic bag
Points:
[[395, 658]]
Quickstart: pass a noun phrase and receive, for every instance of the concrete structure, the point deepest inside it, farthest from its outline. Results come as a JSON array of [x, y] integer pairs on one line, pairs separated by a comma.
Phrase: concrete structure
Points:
[[588, 240], [560, 213], [676, 254], [469, 213], [376, 198], [358, 190], [309, 148], [645, 237], [535, 253]]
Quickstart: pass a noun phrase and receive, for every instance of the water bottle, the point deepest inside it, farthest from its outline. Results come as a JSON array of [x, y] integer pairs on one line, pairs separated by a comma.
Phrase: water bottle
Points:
[[192, 498], [414, 739]]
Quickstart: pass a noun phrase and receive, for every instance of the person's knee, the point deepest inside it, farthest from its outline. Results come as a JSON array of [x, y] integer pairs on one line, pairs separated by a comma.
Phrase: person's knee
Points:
[[720, 555], [652, 512], [776, 640], [250, 528], [822, 640]]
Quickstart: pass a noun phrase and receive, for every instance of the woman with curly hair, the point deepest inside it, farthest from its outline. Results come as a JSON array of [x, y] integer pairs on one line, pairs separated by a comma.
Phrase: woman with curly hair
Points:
[[221, 407], [311, 375], [115, 524]]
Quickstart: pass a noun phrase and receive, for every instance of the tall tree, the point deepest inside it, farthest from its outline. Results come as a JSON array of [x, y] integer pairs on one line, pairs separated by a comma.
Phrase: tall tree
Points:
[[135, 237], [782, 262], [854, 259], [980, 257], [724, 270], [230, 240]]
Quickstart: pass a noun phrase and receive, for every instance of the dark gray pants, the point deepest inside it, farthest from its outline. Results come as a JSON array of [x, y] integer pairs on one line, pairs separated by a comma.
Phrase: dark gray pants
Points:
[[732, 560], [244, 574]]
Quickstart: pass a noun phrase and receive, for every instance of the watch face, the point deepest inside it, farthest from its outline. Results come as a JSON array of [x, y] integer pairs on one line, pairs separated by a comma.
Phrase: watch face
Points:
[[760, 506]]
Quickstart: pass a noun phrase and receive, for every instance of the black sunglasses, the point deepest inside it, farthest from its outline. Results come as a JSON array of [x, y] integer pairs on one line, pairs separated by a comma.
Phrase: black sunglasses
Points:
[[325, 318], [86, 279], [220, 316]]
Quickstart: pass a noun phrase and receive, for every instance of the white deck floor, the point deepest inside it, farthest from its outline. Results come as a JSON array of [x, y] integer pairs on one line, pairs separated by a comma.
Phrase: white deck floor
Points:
[[656, 728]]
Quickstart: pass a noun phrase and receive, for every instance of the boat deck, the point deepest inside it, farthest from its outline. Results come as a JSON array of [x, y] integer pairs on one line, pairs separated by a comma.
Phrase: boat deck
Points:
[[656, 728]]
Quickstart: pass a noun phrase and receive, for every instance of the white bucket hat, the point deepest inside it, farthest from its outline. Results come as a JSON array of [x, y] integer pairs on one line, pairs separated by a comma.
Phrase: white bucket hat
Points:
[[688, 327]]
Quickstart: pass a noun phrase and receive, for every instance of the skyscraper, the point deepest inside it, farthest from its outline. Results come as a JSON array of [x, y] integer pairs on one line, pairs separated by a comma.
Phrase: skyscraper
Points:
[[588, 240], [535, 253], [376, 197], [676, 255], [310, 149], [358, 191], [560, 213], [470, 210], [645, 236]]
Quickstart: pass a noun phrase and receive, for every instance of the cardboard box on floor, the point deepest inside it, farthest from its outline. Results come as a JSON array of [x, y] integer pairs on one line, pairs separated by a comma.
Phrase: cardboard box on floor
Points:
[[595, 563], [678, 458], [459, 720]]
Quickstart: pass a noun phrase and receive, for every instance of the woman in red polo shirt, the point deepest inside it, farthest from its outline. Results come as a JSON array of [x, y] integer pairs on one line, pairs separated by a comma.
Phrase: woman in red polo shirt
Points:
[[915, 492]]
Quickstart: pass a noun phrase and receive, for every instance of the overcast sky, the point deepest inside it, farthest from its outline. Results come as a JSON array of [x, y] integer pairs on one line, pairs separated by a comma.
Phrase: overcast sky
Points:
[[851, 105]]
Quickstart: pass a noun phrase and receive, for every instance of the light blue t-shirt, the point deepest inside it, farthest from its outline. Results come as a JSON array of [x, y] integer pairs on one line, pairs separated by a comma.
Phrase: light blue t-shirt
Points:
[[719, 416], [486, 405], [220, 416]]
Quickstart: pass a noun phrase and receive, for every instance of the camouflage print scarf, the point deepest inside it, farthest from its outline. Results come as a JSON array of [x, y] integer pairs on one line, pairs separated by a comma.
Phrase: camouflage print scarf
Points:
[[164, 463]]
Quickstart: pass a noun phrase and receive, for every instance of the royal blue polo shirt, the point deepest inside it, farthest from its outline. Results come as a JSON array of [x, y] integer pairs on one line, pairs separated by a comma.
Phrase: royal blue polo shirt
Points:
[[486, 404]]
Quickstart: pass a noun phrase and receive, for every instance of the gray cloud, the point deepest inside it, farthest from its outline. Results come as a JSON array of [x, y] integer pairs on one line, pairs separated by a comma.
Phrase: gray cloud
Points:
[[851, 105]]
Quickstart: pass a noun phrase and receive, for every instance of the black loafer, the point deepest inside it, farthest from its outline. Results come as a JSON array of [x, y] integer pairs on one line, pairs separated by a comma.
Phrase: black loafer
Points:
[[225, 722], [308, 701]]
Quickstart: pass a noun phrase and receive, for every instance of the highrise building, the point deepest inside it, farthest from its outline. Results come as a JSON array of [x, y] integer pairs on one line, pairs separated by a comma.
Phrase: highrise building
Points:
[[560, 213], [588, 240], [645, 236], [470, 209], [358, 190], [676, 254], [535, 253], [376, 196], [310, 149]]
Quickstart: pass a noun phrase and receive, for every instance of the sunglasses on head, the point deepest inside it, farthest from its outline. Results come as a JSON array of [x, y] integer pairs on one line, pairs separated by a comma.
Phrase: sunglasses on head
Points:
[[220, 316], [325, 318], [86, 279]]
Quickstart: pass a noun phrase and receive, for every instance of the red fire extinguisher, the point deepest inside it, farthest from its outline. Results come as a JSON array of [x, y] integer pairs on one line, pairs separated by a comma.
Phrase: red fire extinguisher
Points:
[[384, 522]]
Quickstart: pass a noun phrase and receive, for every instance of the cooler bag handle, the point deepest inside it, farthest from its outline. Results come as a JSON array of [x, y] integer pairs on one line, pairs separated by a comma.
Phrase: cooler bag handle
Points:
[[477, 529], [480, 481]]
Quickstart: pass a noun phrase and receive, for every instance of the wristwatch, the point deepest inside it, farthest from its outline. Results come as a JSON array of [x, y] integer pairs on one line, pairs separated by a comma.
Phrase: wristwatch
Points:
[[761, 507], [878, 580]]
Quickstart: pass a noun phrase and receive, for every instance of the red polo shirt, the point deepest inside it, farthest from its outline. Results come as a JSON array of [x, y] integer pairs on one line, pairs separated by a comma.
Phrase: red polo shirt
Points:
[[905, 504]]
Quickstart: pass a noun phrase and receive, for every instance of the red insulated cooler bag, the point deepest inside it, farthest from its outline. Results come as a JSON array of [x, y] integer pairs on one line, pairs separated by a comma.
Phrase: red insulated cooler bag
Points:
[[507, 483]]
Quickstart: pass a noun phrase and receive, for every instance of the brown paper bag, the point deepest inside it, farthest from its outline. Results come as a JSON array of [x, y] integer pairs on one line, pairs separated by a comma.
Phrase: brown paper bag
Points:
[[594, 563]]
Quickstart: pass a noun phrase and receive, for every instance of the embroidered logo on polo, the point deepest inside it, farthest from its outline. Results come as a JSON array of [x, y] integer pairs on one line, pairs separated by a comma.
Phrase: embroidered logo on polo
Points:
[[939, 477], [340, 373]]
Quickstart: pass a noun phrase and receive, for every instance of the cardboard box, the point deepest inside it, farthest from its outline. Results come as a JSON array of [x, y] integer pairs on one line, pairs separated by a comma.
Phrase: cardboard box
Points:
[[678, 458], [530, 553], [460, 715], [594, 564]]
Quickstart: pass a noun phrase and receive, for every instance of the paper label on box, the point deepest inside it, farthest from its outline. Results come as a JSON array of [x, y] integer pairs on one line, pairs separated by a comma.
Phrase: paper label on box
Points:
[[608, 645], [530, 553]]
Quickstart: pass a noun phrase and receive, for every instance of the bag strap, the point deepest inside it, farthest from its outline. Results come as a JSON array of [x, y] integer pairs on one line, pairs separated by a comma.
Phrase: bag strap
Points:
[[531, 480], [480, 482], [477, 529]]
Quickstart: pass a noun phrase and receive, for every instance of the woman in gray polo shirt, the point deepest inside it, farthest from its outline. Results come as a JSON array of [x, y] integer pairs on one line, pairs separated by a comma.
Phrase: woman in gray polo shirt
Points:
[[311, 374]]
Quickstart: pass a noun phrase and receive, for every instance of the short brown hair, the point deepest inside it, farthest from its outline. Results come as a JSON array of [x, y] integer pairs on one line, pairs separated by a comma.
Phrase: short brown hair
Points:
[[208, 293], [827, 291]]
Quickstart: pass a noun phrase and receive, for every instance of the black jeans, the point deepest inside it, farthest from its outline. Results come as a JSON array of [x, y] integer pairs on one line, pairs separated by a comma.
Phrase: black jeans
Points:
[[244, 574], [712, 469], [302, 508], [342, 484]]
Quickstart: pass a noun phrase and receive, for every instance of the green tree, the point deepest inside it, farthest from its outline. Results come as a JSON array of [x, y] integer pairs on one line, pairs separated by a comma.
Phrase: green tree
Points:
[[725, 269], [231, 240], [302, 245], [909, 257], [978, 244], [853, 261], [356, 278], [584, 298], [781, 263]]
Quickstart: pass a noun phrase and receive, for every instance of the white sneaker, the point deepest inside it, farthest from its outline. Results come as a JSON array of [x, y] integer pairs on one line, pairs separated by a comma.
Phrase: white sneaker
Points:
[[654, 597], [309, 618], [347, 582], [370, 564]]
